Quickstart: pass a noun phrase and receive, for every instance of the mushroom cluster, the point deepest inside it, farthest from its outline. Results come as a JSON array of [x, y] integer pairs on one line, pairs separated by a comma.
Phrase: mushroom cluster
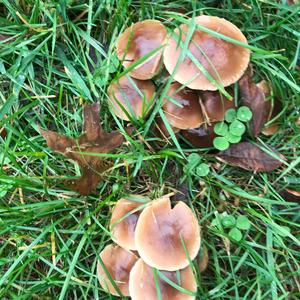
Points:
[[202, 64], [155, 244]]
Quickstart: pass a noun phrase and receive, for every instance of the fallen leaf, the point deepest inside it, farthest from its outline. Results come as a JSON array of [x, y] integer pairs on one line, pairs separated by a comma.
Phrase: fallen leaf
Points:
[[249, 157], [292, 2], [254, 97], [291, 195], [2, 132], [203, 259], [93, 140], [274, 109], [270, 129], [3, 37]]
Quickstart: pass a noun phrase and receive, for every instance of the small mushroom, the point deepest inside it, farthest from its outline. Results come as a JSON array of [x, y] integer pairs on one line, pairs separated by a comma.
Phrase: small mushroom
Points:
[[142, 284], [182, 108], [201, 137], [214, 105], [131, 95], [137, 41], [124, 218], [118, 263], [164, 234], [224, 61]]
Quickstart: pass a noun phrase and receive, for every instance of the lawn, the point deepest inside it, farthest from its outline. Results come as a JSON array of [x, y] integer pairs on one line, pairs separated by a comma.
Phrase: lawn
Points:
[[56, 56]]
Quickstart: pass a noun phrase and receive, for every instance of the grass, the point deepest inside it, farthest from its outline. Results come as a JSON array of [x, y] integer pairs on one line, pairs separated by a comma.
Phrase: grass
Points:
[[61, 55]]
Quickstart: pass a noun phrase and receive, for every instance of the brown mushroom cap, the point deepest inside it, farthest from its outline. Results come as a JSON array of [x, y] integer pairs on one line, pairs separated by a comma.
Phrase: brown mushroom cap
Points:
[[142, 285], [136, 97], [137, 41], [185, 117], [214, 105], [201, 137], [161, 231], [119, 263], [123, 220], [160, 130], [224, 61]]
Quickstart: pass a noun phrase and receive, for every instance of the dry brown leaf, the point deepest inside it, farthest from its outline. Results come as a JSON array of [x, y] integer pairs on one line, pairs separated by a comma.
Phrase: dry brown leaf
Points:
[[292, 2], [2, 132], [291, 195], [253, 97], [93, 140], [203, 259], [249, 157], [274, 109]]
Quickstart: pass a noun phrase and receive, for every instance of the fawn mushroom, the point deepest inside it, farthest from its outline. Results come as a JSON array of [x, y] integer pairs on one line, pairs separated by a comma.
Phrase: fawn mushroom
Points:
[[123, 220], [182, 107], [214, 105], [142, 283], [164, 235], [201, 137], [224, 61], [137, 41], [160, 130], [131, 95], [118, 263]]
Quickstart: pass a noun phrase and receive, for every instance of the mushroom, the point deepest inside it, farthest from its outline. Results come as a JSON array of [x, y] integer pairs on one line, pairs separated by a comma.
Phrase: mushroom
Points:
[[182, 107], [214, 105], [131, 97], [166, 238], [160, 130], [224, 61], [142, 283], [118, 263], [201, 137], [137, 41], [124, 218]]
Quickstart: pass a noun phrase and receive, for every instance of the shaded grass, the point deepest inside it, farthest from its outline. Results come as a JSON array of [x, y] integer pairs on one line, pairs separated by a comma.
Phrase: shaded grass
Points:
[[61, 55]]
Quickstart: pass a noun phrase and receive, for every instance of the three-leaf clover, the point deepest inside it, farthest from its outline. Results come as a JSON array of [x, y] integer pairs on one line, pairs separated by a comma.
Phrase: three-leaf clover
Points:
[[194, 166], [244, 114], [243, 223], [232, 131], [235, 234], [234, 225], [221, 143]]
